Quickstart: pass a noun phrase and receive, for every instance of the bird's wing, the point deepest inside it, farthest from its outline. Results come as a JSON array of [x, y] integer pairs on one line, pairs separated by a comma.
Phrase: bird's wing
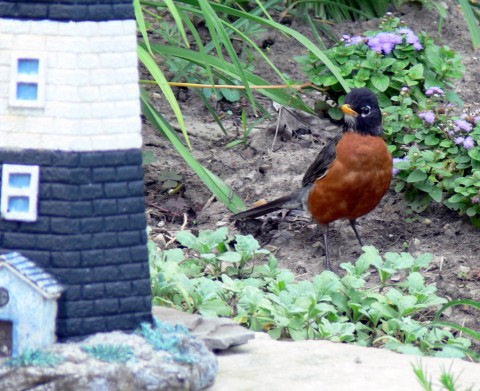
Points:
[[322, 162]]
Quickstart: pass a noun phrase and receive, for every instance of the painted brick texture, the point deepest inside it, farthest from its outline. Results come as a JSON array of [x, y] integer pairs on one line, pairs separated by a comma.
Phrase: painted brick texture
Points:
[[68, 10], [90, 234], [91, 86]]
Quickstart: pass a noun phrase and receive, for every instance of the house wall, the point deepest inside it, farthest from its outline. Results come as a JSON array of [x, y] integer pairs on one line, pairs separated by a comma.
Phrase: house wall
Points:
[[33, 315], [91, 86]]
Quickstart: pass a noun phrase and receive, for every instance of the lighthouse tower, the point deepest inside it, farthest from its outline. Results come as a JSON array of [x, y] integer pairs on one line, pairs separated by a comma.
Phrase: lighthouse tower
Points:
[[72, 192]]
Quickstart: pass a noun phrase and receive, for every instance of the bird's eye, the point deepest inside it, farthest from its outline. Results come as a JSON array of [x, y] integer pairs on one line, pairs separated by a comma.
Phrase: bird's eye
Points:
[[365, 110]]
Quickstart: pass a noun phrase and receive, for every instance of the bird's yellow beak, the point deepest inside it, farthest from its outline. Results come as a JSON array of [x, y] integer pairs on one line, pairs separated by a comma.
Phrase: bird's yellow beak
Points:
[[347, 110]]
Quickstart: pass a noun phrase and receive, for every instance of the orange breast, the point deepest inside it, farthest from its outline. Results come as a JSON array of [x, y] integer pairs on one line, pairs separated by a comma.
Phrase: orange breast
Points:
[[356, 181]]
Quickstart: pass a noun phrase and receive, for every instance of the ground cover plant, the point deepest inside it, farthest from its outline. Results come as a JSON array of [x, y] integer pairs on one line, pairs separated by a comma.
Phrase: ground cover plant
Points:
[[109, 352], [219, 275], [35, 357]]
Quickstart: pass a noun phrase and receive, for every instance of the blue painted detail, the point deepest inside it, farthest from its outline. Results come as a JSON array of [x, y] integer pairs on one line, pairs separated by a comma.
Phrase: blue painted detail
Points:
[[44, 281], [20, 181], [28, 66], [27, 91], [18, 204]]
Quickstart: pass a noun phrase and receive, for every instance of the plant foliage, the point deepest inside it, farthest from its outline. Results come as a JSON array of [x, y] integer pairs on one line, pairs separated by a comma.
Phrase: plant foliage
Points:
[[346, 309], [35, 357], [109, 352], [170, 339]]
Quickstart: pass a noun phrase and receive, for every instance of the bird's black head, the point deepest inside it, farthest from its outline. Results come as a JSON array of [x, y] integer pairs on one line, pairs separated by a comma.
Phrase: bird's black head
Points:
[[362, 113]]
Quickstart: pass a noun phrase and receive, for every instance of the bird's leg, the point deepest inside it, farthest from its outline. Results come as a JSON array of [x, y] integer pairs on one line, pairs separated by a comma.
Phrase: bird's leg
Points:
[[325, 241], [353, 224]]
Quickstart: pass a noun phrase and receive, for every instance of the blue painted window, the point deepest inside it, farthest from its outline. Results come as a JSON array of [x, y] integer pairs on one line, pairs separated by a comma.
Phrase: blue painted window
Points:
[[27, 91], [18, 204], [27, 81], [19, 192], [19, 180], [28, 66]]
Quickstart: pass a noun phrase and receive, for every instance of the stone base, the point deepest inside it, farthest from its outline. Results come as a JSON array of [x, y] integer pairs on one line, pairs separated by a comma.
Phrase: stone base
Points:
[[147, 369]]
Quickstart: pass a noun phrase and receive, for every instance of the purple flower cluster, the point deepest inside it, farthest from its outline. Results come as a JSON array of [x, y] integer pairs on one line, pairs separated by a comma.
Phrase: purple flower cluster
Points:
[[462, 125], [460, 131], [467, 142], [355, 40], [396, 171], [386, 42], [435, 91], [428, 116], [411, 38]]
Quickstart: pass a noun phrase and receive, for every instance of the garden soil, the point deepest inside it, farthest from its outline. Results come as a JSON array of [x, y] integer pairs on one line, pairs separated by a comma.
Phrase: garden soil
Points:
[[267, 169]]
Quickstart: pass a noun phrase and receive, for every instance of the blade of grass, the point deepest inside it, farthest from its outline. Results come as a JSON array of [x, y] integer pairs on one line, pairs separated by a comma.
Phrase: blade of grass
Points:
[[244, 17], [141, 24], [279, 96], [212, 111], [201, 47], [216, 29], [223, 192], [453, 303], [175, 13], [159, 77], [289, 31], [471, 23]]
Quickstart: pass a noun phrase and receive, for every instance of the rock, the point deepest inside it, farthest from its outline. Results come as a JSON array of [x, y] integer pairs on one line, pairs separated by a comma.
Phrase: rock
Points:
[[266, 364], [190, 367], [216, 333]]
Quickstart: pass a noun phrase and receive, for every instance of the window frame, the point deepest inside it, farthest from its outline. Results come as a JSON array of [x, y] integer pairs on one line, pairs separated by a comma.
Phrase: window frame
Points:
[[38, 79], [31, 192]]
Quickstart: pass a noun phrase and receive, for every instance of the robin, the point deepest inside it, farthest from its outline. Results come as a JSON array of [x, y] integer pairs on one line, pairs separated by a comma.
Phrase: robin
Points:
[[349, 176]]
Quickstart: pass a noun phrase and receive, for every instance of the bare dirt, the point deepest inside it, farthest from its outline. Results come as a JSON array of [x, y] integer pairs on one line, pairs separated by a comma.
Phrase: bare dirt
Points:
[[265, 171]]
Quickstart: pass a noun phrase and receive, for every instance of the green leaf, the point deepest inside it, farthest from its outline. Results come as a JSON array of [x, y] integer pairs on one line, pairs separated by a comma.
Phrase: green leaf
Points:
[[188, 239], [230, 257], [471, 211], [399, 186], [456, 198], [380, 82], [416, 72], [416, 176], [231, 94], [246, 244], [431, 140], [335, 113], [474, 153], [215, 307], [436, 193]]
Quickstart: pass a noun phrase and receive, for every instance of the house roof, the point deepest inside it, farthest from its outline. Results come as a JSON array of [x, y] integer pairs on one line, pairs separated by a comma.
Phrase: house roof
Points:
[[45, 283]]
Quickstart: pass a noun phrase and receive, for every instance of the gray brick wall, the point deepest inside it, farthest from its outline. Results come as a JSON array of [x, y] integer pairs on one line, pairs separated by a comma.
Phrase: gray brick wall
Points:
[[90, 234], [68, 10]]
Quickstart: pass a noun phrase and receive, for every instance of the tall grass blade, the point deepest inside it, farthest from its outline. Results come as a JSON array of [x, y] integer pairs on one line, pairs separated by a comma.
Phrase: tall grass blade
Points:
[[471, 23], [223, 192], [159, 77], [141, 24]]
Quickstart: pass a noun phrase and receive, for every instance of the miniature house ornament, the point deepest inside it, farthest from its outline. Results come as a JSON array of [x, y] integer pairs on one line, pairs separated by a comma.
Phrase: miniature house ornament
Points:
[[72, 192], [28, 305]]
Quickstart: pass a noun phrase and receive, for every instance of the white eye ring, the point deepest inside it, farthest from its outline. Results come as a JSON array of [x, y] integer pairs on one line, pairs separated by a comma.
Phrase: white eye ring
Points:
[[365, 110]]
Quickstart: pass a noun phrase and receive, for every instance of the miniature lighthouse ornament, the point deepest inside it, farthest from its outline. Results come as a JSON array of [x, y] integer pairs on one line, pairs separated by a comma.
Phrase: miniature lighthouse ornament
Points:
[[72, 192]]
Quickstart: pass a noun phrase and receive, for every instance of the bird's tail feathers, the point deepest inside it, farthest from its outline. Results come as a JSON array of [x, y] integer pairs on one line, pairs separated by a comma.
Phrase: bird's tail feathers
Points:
[[295, 200]]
